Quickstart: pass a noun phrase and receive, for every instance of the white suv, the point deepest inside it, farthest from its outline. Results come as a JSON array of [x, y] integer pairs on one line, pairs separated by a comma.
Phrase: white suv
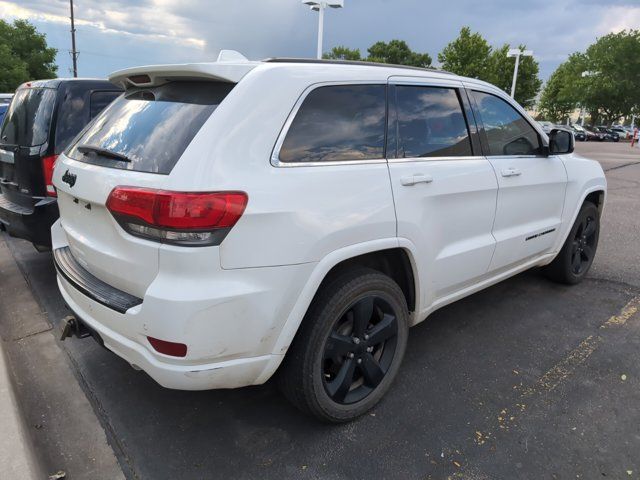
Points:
[[223, 221]]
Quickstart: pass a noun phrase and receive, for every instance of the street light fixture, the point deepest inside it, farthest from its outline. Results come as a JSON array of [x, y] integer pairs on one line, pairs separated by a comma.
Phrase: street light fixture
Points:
[[516, 52], [319, 6]]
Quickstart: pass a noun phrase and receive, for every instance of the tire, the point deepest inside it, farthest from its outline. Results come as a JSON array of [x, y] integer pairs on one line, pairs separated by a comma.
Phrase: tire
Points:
[[327, 372], [581, 243]]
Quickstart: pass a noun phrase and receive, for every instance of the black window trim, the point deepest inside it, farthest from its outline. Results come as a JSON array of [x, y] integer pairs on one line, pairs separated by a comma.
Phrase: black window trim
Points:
[[275, 154], [484, 141]]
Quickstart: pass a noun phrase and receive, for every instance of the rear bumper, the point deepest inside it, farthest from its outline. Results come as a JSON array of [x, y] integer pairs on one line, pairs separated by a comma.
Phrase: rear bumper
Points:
[[230, 320], [226, 374], [32, 224]]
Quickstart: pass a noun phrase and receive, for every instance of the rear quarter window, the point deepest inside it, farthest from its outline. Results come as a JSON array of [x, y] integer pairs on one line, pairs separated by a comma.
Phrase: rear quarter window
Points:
[[337, 123], [150, 127]]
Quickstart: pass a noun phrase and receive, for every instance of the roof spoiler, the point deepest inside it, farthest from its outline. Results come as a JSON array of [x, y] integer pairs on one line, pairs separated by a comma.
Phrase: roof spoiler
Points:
[[230, 67]]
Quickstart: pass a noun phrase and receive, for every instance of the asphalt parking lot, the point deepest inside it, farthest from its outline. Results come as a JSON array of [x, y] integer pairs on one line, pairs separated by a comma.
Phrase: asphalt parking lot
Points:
[[527, 379]]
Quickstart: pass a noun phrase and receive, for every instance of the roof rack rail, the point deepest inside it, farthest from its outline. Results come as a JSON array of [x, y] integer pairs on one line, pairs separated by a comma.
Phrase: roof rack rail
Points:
[[350, 62]]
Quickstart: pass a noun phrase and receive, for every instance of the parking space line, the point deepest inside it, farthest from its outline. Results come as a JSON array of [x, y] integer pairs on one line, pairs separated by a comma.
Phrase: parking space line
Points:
[[628, 311], [507, 417]]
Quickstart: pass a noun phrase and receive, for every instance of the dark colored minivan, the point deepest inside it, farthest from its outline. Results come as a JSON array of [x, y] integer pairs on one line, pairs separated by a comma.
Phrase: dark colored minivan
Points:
[[42, 119]]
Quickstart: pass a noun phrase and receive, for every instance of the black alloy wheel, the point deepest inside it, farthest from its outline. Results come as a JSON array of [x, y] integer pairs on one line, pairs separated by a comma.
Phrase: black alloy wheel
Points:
[[576, 256], [359, 350], [583, 248], [349, 347]]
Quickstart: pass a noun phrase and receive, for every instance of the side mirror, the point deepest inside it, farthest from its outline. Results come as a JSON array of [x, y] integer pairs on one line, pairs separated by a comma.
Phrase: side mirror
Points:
[[561, 142]]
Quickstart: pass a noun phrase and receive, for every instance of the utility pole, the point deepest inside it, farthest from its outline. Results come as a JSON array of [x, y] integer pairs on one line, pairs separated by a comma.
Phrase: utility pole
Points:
[[74, 53]]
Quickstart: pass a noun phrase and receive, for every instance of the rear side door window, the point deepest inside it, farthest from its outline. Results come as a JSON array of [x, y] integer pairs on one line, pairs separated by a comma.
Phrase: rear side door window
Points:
[[337, 123], [430, 123], [507, 132]]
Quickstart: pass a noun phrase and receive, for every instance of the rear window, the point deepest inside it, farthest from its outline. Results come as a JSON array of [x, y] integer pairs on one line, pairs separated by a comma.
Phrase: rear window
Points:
[[338, 123], [28, 119], [148, 129]]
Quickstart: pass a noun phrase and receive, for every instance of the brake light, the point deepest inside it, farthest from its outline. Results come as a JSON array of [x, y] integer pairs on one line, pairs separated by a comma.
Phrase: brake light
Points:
[[48, 164], [168, 348], [181, 218]]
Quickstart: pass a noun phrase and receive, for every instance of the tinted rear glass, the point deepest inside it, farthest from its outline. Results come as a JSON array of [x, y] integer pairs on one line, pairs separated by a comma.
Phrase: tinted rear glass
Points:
[[28, 119], [338, 123], [152, 127]]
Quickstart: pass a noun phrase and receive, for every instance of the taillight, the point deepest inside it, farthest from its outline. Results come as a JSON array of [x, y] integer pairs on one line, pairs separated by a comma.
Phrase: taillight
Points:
[[48, 164], [180, 218]]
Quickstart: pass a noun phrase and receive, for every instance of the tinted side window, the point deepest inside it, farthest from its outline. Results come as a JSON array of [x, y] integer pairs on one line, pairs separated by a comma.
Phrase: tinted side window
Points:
[[508, 133], [99, 100], [431, 123], [338, 123], [72, 116]]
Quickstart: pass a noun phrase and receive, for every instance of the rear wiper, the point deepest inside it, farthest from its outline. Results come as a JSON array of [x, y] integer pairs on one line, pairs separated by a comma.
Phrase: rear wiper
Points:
[[103, 152]]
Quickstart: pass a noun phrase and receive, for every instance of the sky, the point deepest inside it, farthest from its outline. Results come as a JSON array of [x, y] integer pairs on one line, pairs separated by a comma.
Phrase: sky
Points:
[[115, 34]]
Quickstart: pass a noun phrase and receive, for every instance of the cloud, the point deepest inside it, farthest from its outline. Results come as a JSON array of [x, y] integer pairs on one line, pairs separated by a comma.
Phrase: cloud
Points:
[[119, 33]]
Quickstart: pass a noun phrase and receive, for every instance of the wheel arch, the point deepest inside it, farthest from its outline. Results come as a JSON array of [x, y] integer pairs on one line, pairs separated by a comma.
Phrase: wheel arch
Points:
[[596, 194], [377, 254]]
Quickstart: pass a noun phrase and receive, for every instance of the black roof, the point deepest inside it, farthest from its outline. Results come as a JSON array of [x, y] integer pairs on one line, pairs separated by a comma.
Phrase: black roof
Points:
[[349, 62], [56, 82]]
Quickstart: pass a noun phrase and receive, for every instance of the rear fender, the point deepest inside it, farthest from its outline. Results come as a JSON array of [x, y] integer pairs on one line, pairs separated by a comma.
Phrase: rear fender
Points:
[[313, 283]]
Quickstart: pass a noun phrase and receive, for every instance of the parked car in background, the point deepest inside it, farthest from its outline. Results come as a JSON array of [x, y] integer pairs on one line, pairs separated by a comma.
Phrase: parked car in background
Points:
[[211, 234], [579, 133], [609, 135], [42, 119], [3, 110], [593, 135], [546, 126], [623, 132]]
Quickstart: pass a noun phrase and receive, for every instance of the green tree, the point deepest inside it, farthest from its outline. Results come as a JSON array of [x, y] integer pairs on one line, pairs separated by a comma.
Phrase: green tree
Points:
[[470, 55], [343, 53], [500, 73], [610, 85], [13, 72], [24, 54], [467, 55], [562, 93], [397, 52]]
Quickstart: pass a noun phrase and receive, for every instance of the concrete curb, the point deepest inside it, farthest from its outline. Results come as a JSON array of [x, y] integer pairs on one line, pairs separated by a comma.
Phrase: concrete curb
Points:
[[59, 426], [16, 452]]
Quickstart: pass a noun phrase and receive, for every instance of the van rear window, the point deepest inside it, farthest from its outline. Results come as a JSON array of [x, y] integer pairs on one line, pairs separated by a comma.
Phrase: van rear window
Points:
[[148, 129], [28, 120]]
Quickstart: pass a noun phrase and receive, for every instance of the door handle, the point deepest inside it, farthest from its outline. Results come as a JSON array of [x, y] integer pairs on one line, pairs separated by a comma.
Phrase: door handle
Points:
[[410, 180], [511, 172]]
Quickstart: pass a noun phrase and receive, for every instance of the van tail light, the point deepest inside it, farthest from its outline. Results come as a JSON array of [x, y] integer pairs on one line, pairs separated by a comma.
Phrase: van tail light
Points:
[[179, 218], [48, 164]]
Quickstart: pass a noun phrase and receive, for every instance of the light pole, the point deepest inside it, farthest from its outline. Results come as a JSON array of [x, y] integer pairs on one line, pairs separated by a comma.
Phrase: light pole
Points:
[[319, 6], [516, 52]]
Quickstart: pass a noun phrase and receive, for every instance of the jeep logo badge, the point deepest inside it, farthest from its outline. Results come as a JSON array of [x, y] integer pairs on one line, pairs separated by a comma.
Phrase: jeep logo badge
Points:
[[69, 178]]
